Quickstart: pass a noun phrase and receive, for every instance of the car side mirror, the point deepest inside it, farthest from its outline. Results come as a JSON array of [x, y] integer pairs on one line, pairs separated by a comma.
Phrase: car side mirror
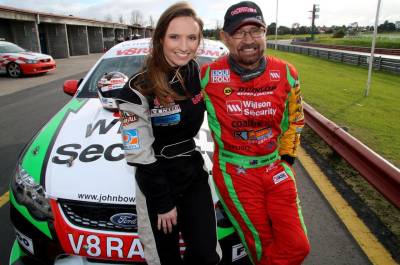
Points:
[[71, 86]]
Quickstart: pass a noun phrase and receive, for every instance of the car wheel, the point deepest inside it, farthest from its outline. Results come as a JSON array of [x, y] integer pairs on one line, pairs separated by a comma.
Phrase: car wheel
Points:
[[14, 70]]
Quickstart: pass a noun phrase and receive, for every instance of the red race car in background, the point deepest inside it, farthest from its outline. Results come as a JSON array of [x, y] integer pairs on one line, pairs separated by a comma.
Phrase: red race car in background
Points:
[[16, 61]]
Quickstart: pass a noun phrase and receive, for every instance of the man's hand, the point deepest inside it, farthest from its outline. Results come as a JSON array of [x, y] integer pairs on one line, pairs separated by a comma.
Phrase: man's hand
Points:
[[166, 220]]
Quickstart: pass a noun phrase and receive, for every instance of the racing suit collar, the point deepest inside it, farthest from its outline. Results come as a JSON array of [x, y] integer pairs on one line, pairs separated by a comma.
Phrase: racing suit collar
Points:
[[247, 74]]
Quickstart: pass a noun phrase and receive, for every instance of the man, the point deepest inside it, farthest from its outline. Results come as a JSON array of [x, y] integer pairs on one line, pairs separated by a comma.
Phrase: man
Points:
[[255, 115]]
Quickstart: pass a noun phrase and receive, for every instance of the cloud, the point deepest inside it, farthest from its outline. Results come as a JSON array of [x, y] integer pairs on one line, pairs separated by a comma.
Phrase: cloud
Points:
[[337, 12]]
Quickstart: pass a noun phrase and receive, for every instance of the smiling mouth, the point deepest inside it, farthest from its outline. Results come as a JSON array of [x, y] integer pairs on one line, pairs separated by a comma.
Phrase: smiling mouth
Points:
[[182, 55]]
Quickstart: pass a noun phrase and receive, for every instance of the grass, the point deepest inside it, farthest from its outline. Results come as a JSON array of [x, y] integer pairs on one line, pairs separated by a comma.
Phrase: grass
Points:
[[336, 91], [391, 41]]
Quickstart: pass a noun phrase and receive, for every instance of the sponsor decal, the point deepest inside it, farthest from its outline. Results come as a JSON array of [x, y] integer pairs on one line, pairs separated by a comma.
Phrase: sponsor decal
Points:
[[254, 136], [279, 177], [105, 198], [220, 76], [234, 107], [165, 116], [256, 92], [127, 118], [133, 51], [249, 123], [166, 120], [101, 125], [238, 252], [244, 9], [271, 167], [25, 241], [116, 83], [120, 248], [164, 111], [237, 147], [271, 145], [131, 139], [208, 52], [240, 170], [258, 108], [228, 91], [128, 220], [274, 75], [198, 98], [67, 153], [253, 162]]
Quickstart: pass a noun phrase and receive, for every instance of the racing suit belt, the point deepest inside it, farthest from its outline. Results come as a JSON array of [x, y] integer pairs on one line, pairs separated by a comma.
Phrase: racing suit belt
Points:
[[248, 161], [182, 148]]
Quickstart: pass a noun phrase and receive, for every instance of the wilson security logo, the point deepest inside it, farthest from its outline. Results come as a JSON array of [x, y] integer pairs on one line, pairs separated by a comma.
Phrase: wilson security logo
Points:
[[220, 76], [234, 107], [275, 75]]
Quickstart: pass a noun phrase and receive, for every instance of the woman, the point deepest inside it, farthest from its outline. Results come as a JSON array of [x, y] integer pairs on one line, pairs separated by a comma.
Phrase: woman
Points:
[[162, 109]]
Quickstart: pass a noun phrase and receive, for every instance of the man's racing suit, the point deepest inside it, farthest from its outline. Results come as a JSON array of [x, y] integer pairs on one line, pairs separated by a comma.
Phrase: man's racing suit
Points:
[[170, 173], [254, 123]]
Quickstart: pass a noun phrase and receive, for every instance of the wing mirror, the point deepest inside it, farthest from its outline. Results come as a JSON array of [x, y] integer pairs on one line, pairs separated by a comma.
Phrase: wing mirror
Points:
[[71, 86]]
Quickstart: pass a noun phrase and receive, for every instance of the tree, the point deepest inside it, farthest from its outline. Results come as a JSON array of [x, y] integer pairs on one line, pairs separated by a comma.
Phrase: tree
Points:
[[136, 17], [282, 30], [387, 27], [304, 30], [339, 33], [271, 28]]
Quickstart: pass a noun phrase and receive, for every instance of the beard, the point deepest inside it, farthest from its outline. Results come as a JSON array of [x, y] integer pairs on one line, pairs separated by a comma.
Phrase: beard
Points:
[[248, 55]]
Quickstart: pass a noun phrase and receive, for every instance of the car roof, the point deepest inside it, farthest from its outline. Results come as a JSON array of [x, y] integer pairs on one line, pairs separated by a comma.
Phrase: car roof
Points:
[[208, 48], [3, 43]]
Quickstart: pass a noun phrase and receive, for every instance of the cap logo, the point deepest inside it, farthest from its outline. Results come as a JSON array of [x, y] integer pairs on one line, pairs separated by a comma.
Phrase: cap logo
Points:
[[240, 10]]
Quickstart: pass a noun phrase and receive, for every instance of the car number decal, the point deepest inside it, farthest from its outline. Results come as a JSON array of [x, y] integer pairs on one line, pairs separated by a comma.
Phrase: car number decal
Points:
[[124, 248]]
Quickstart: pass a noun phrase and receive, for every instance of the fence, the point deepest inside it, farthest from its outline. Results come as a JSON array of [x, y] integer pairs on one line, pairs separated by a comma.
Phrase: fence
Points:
[[379, 63]]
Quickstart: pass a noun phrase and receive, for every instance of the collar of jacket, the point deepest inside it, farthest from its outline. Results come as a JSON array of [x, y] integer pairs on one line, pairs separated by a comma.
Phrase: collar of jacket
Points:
[[247, 74]]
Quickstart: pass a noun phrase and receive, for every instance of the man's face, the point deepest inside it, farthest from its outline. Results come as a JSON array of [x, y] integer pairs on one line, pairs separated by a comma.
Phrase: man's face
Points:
[[248, 50]]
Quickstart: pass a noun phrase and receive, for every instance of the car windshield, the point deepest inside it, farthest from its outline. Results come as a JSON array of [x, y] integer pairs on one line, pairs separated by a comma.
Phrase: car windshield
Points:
[[10, 48], [127, 65]]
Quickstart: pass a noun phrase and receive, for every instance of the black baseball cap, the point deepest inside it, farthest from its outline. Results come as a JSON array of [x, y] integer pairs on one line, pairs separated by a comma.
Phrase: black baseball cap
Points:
[[242, 13]]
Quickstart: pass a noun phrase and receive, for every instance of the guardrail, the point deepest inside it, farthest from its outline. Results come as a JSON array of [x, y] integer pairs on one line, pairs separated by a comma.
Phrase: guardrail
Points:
[[348, 48], [384, 176], [379, 63]]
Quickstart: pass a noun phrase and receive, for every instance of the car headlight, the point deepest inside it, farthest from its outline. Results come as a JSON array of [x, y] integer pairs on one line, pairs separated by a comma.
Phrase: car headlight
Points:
[[31, 194], [32, 61]]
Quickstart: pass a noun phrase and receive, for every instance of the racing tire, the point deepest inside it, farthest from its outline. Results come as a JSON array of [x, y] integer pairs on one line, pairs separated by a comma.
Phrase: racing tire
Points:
[[14, 70]]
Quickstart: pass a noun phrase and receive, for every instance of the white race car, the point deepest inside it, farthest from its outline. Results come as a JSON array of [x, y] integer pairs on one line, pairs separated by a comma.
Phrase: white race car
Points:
[[16, 61], [72, 195]]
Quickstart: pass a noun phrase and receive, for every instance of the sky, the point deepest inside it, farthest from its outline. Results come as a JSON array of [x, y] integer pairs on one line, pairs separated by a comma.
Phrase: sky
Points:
[[332, 12]]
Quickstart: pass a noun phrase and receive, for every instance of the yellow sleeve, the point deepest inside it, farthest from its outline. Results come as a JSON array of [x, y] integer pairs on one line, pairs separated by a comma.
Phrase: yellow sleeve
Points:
[[293, 123]]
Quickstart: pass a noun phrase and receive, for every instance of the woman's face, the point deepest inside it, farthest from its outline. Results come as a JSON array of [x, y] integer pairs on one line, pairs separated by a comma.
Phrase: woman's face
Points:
[[181, 41]]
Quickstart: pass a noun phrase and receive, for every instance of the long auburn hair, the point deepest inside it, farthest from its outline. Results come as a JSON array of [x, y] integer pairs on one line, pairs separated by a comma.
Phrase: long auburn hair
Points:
[[157, 67]]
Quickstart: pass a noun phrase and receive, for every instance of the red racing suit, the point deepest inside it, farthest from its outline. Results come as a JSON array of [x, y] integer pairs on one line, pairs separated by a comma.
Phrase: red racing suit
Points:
[[253, 124]]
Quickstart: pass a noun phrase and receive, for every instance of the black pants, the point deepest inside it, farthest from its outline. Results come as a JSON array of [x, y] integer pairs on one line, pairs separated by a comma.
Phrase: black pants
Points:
[[196, 221]]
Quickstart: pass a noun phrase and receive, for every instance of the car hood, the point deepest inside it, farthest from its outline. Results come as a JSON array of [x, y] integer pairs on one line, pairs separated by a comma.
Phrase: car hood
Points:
[[82, 156], [78, 155], [28, 55]]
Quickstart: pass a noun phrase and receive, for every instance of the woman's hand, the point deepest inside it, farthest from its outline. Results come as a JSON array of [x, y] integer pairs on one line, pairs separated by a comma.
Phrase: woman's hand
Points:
[[166, 220]]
